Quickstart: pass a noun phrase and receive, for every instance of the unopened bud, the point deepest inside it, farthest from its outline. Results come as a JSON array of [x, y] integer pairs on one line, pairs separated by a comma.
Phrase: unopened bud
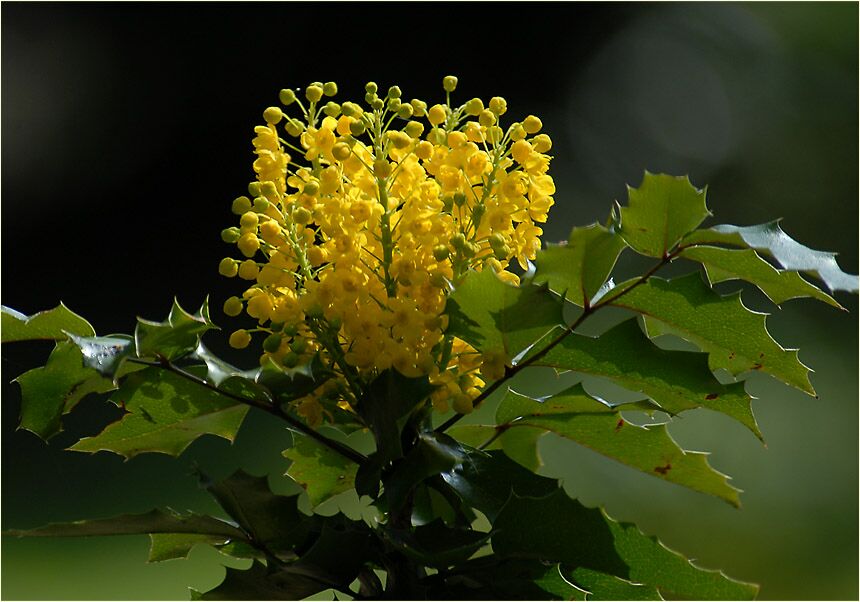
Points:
[[287, 97], [449, 83], [241, 205], [314, 93], [329, 88], [441, 252]]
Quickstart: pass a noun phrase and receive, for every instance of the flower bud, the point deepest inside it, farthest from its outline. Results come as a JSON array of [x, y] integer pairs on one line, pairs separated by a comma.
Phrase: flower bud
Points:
[[269, 190], [261, 204], [496, 240], [424, 150], [458, 241], [233, 306], [419, 107], [329, 88], [227, 267], [248, 270], [381, 168], [405, 111], [371, 88], [542, 143], [341, 151], [230, 235], [240, 339], [290, 360], [357, 128], [313, 93], [441, 252], [249, 219], [462, 404], [474, 107], [437, 114], [459, 199], [487, 118], [249, 244], [477, 214], [301, 215], [311, 188], [254, 189], [273, 115], [294, 128], [413, 129], [394, 92], [449, 83], [272, 343], [532, 124], [299, 345], [241, 205], [393, 104], [498, 105], [332, 109], [377, 104], [287, 97], [290, 330]]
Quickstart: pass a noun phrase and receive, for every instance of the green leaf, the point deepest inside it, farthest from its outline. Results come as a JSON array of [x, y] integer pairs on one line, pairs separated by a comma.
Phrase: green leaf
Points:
[[790, 254], [493, 316], [435, 544], [170, 546], [578, 269], [556, 528], [675, 380], [176, 337], [272, 520], [486, 480], [660, 212], [289, 384], [342, 549], [434, 453], [390, 398], [52, 324], [50, 391], [322, 472], [673, 575], [745, 264], [601, 586], [166, 413], [519, 444], [106, 355], [735, 337], [154, 521], [262, 583], [575, 415]]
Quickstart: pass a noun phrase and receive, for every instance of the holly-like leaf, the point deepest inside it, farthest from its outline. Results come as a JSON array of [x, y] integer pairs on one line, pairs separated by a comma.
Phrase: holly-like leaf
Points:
[[263, 583], [734, 337], [54, 389], [790, 254], [495, 317], [675, 380], [578, 269], [52, 324], [745, 264], [519, 444], [673, 575], [107, 355], [435, 544], [556, 528], [434, 453], [661, 212], [272, 520], [154, 521], [171, 546], [601, 586], [575, 415], [166, 413], [322, 472], [176, 337], [486, 480], [289, 384]]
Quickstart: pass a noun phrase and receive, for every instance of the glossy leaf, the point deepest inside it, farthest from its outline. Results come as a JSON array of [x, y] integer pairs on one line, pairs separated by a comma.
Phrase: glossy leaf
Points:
[[745, 264], [171, 546], [673, 575], [495, 317], [435, 544], [601, 586], [322, 472], [166, 413], [433, 454], [154, 521], [107, 355], [519, 444], [52, 324], [272, 520], [675, 380], [660, 212], [578, 269], [790, 254], [176, 337], [54, 389], [575, 415], [734, 337]]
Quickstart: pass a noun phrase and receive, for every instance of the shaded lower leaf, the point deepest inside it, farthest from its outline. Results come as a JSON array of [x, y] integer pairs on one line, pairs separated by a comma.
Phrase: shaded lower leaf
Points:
[[54, 389], [520, 444], [51, 324], [170, 546], [433, 454], [435, 544], [322, 472], [262, 583], [166, 413], [601, 586], [676, 380], [575, 415], [154, 521]]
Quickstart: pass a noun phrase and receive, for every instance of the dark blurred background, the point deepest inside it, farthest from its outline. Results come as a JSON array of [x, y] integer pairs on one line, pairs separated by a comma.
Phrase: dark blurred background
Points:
[[126, 133]]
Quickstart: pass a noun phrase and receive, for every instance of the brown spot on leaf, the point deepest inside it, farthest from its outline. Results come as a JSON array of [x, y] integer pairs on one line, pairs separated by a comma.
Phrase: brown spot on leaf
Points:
[[663, 469], [711, 396], [619, 425], [756, 366], [761, 356], [732, 355]]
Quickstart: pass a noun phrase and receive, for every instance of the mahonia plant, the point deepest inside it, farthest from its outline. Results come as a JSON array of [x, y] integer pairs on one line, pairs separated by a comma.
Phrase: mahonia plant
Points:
[[397, 282]]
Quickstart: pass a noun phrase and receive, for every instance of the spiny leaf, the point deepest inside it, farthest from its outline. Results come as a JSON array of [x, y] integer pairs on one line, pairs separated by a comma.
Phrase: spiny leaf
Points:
[[262, 583], [322, 472], [745, 264], [166, 413], [675, 380], [660, 212], [435, 544], [519, 444], [575, 415], [790, 254], [272, 520], [154, 521], [673, 575], [54, 389], [52, 324], [170, 546], [735, 337], [434, 453], [493, 316], [578, 269], [175, 337], [107, 354], [601, 586]]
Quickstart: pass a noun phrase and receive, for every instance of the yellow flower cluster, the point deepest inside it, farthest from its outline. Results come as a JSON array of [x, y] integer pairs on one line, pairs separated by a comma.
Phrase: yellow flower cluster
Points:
[[361, 219]]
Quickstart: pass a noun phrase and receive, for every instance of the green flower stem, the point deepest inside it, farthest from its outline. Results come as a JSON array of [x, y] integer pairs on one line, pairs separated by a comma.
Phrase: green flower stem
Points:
[[336, 446], [511, 371]]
